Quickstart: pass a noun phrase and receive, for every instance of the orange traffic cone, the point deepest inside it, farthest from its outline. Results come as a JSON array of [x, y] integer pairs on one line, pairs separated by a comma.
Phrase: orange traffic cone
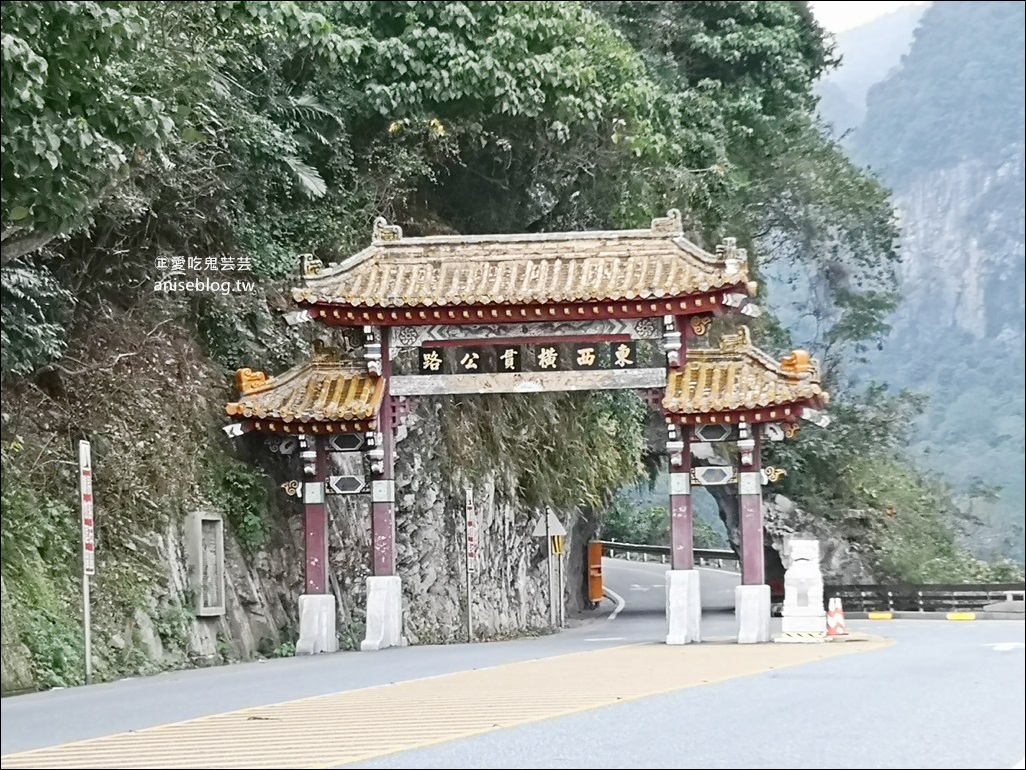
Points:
[[835, 619]]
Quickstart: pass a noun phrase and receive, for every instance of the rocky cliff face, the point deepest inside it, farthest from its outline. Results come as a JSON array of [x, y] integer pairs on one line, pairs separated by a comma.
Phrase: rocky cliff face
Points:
[[963, 245], [510, 590]]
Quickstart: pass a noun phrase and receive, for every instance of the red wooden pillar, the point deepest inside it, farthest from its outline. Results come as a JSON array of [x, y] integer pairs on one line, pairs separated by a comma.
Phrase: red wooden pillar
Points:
[[682, 553], [383, 485], [682, 550], [753, 570], [315, 514]]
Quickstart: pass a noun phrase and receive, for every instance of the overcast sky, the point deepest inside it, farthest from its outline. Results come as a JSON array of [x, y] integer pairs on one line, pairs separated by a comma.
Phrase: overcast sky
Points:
[[839, 15]]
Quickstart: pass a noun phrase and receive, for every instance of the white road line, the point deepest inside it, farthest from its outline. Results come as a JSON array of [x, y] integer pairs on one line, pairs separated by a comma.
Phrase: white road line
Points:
[[605, 639], [620, 603], [1021, 765]]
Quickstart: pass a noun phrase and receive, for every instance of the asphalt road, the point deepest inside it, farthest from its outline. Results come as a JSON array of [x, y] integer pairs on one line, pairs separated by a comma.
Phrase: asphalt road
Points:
[[944, 695], [643, 586]]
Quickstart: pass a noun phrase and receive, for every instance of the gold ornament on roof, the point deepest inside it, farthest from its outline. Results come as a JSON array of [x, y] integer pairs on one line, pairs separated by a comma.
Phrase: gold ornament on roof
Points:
[[246, 380], [732, 257], [798, 362], [309, 265], [671, 223], [324, 352], [738, 342], [386, 233], [700, 324], [792, 429], [775, 474]]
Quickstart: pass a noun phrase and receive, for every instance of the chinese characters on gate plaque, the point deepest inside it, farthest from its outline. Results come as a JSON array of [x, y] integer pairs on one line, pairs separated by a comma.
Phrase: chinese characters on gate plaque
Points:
[[537, 357]]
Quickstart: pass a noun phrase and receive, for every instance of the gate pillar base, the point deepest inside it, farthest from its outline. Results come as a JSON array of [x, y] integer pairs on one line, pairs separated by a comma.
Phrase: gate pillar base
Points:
[[752, 608], [384, 613], [683, 607], [316, 624]]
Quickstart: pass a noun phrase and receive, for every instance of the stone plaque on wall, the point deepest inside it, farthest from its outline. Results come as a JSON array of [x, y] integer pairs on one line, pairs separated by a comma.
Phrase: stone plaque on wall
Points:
[[205, 545]]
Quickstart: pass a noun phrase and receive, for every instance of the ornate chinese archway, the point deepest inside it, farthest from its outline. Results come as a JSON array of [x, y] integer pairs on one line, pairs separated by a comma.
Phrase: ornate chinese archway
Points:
[[515, 314]]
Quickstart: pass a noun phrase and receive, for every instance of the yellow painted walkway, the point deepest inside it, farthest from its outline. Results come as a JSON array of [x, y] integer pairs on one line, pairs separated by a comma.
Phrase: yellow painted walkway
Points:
[[357, 725]]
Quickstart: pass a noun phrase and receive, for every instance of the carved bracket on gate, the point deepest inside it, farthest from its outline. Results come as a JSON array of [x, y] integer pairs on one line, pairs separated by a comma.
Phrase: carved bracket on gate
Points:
[[402, 406]]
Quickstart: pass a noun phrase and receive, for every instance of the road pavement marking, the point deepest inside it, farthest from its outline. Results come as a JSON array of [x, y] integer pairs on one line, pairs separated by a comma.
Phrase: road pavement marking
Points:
[[604, 639], [1021, 765], [879, 615], [358, 725], [961, 616], [1006, 646], [620, 603]]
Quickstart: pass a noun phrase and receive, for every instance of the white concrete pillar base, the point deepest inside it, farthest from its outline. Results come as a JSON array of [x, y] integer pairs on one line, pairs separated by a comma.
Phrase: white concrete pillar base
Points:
[[316, 624], [752, 608], [803, 620], [683, 607], [384, 613]]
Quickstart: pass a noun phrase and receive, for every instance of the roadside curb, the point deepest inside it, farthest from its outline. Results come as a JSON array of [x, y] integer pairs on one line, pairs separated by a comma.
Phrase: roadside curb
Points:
[[952, 616]]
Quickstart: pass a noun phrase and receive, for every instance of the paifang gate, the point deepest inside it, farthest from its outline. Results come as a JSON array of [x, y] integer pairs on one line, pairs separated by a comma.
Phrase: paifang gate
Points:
[[530, 313]]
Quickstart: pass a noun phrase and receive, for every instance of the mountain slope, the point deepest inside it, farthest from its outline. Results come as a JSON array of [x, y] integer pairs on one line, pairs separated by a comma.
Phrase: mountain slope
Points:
[[868, 54], [945, 133]]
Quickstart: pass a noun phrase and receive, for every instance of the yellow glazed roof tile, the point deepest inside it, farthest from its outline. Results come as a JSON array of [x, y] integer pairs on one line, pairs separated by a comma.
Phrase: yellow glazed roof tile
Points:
[[312, 392], [526, 269], [738, 376]]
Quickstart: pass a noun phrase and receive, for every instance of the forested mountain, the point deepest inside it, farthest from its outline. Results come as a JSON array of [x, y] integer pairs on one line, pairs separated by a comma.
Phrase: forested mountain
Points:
[[946, 133], [867, 54], [135, 134]]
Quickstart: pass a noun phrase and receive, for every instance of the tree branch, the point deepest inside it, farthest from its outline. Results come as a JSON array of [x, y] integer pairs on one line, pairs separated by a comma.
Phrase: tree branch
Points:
[[16, 242]]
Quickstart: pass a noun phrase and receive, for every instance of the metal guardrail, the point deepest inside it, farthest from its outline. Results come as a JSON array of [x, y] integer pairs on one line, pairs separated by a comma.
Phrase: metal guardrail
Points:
[[931, 597], [934, 597], [703, 556]]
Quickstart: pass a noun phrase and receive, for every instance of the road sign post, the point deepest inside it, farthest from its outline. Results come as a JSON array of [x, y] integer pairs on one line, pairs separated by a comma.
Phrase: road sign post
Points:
[[548, 565], [471, 522], [551, 528], [85, 493]]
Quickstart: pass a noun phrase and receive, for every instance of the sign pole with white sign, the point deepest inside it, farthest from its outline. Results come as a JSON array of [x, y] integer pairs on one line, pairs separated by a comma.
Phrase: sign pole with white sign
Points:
[[85, 488], [471, 559], [559, 587], [550, 527], [548, 545]]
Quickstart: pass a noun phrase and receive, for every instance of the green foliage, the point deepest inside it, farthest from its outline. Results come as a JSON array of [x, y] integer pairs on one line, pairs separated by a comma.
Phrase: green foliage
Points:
[[172, 625], [856, 473], [39, 560], [56, 645], [239, 492], [90, 88], [284, 650], [569, 451], [34, 309], [628, 522], [72, 120]]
